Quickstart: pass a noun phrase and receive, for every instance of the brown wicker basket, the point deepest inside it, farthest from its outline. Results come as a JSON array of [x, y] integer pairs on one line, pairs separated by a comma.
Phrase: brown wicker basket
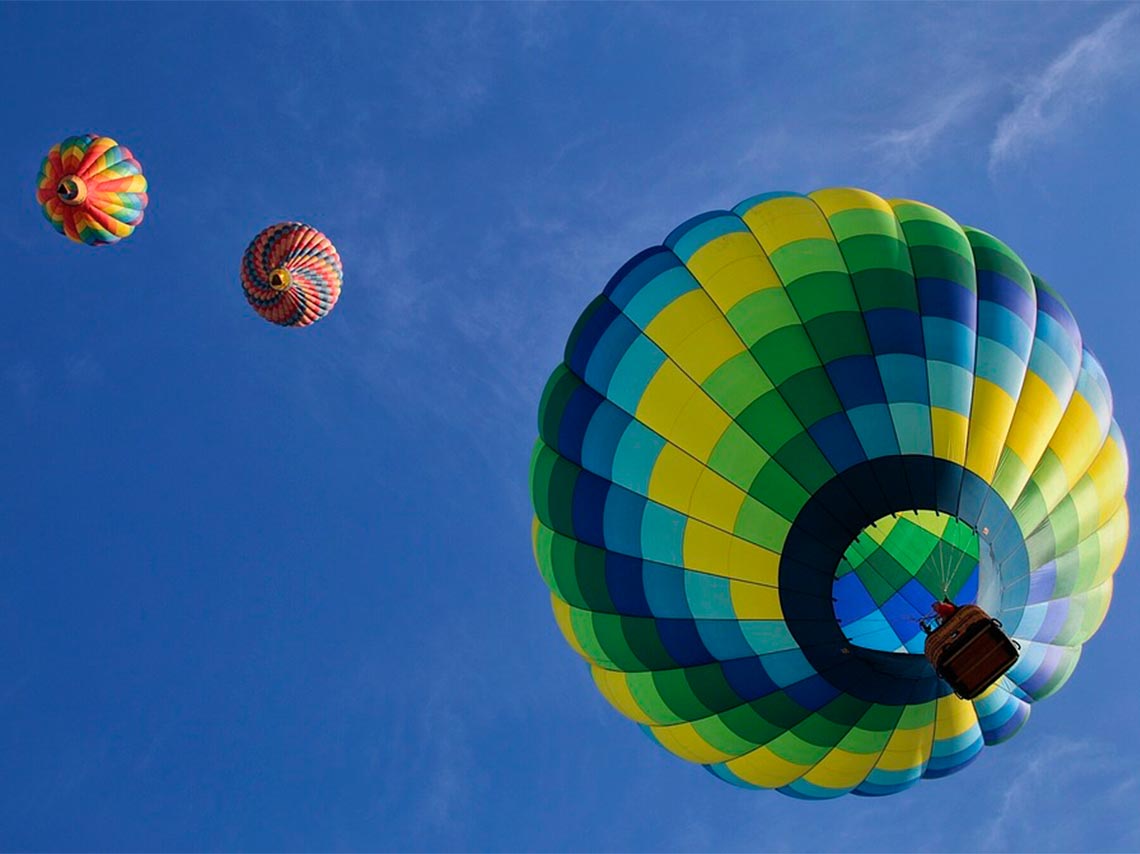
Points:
[[970, 651]]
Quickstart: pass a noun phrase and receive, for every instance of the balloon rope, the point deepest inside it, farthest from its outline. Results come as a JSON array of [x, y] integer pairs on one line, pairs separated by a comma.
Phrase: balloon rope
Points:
[[939, 562], [949, 574]]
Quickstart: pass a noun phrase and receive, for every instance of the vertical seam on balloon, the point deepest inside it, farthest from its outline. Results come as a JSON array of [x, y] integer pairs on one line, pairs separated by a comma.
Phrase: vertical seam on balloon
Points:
[[1064, 407], [926, 359], [658, 503], [882, 386], [607, 548], [977, 345], [871, 706], [729, 325], [815, 350], [1046, 517], [878, 755], [967, 230], [903, 707], [650, 500], [1107, 389], [934, 731], [1039, 285], [1076, 546], [811, 343], [867, 332], [702, 463], [922, 332], [810, 713]]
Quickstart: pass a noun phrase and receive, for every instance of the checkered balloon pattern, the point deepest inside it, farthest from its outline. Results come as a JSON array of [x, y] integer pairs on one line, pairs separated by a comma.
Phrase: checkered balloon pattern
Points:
[[776, 439], [92, 190], [291, 274]]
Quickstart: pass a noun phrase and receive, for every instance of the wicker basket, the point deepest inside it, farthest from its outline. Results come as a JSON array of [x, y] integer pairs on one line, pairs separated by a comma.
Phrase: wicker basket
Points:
[[970, 651]]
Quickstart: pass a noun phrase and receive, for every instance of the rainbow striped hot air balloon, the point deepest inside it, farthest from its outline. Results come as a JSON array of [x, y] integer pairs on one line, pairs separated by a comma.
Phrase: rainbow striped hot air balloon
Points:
[[92, 189], [291, 274], [776, 440]]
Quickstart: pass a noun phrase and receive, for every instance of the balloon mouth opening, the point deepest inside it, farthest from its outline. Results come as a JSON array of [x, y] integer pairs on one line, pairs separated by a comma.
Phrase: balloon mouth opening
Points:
[[280, 279], [896, 569], [72, 190]]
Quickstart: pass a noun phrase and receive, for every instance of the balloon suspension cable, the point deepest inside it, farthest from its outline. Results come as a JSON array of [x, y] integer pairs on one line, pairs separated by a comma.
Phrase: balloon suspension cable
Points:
[[947, 548], [941, 558], [949, 555], [961, 554], [280, 279], [72, 190]]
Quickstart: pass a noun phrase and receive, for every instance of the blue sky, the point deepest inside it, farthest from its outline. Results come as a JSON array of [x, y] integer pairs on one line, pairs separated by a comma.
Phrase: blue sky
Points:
[[273, 590]]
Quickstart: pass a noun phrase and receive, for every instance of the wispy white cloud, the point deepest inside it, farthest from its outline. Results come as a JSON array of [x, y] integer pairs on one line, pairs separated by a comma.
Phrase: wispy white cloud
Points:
[[537, 23], [450, 73], [454, 65], [15, 230], [424, 762], [1057, 773], [23, 379], [1037, 793], [464, 325], [909, 145], [83, 370], [449, 765], [1081, 76]]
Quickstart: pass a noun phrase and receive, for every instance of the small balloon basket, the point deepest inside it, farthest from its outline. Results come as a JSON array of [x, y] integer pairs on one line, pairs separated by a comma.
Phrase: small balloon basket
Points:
[[970, 651]]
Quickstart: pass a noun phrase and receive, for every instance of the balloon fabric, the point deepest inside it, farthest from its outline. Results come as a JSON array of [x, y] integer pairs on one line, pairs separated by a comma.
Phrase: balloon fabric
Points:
[[776, 439]]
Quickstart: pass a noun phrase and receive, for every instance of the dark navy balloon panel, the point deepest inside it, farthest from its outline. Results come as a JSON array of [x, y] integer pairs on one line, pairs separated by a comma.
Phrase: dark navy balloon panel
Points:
[[776, 439]]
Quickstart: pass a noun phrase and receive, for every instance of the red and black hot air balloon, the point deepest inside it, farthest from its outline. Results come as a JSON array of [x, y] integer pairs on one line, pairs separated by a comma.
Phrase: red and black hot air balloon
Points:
[[291, 274]]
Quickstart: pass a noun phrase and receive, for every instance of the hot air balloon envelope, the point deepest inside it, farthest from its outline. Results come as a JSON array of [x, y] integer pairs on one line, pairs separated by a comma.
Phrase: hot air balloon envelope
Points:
[[92, 189], [776, 439], [291, 274]]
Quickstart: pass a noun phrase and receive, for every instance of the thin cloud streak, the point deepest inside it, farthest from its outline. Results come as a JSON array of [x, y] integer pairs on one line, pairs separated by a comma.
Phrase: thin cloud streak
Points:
[[482, 317], [84, 370], [1080, 76], [909, 146], [23, 380], [1059, 772]]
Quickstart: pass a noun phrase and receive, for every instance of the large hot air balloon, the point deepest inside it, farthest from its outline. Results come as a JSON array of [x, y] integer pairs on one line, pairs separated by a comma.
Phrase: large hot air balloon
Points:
[[92, 189], [776, 440], [291, 274]]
